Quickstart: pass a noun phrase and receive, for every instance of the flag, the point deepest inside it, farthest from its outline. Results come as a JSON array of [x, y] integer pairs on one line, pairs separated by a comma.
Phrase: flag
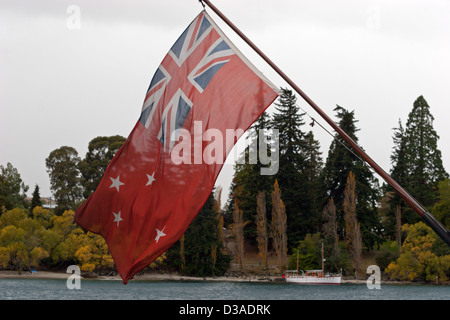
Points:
[[201, 99]]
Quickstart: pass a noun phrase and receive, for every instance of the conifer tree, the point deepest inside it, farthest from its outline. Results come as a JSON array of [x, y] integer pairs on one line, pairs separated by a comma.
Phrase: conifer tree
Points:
[[424, 159], [194, 250], [311, 179], [36, 199], [392, 202], [248, 178], [291, 176], [417, 161], [339, 163]]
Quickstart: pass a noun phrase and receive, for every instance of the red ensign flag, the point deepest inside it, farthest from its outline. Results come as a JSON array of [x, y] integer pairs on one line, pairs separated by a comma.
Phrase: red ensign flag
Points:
[[202, 97]]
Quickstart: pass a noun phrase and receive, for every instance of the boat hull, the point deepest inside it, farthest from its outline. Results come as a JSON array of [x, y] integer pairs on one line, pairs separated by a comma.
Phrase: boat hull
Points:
[[331, 280]]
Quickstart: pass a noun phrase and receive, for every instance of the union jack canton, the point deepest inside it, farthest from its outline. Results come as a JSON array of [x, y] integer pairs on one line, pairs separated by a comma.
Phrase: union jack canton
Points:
[[196, 57]]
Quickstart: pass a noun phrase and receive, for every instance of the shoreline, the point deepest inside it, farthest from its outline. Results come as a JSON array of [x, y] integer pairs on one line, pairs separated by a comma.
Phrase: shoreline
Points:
[[7, 274]]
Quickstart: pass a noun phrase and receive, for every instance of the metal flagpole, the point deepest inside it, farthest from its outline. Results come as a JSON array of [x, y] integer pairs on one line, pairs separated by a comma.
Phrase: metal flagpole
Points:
[[423, 213]]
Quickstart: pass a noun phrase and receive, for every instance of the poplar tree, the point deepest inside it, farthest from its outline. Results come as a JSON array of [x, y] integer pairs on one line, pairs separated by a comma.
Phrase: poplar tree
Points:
[[238, 232], [352, 226], [330, 234], [261, 225], [278, 227]]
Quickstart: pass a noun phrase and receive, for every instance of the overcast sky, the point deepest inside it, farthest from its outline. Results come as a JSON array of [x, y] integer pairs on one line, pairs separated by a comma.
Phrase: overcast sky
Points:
[[72, 70]]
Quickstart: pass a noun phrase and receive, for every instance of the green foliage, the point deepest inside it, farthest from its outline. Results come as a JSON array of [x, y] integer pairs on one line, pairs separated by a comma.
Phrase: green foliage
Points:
[[309, 253], [299, 167], [441, 209], [388, 252], [288, 120], [248, 178], [425, 168], [101, 150], [337, 167], [12, 189], [199, 239], [36, 199], [417, 161], [62, 167]]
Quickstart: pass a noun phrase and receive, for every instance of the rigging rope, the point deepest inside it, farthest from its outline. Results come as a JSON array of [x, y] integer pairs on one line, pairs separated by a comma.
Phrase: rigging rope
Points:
[[335, 137]]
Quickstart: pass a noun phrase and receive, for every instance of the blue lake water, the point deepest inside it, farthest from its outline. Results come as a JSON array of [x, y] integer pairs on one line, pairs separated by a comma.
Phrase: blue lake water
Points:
[[39, 289]]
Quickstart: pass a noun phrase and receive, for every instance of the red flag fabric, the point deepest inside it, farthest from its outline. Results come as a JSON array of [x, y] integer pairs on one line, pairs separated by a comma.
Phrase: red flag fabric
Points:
[[201, 99]]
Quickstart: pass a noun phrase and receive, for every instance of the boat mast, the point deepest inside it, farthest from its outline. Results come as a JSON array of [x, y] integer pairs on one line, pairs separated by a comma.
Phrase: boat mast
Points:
[[323, 268]]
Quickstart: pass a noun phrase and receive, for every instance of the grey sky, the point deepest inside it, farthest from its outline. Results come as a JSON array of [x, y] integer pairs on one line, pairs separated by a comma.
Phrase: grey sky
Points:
[[64, 86]]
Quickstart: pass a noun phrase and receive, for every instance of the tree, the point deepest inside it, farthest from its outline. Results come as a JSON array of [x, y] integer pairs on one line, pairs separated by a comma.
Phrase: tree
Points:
[[261, 226], [352, 226], [339, 163], [398, 157], [392, 202], [424, 168], [278, 227], [308, 253], [441, 210], [291, 177], [101, 151], [249, 180], [62, 167], [311, 180], [36, 199], [199, 239], [330, 234], [47, 240], [217, 207], [21, 240], [12, 189], [423, 256], [238, 232]]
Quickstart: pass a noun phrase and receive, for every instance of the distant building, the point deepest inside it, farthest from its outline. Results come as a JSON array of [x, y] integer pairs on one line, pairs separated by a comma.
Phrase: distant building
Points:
[[48, 203]]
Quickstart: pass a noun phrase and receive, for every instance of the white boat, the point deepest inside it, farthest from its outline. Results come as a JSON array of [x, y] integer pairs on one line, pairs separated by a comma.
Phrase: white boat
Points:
[[312, 276]]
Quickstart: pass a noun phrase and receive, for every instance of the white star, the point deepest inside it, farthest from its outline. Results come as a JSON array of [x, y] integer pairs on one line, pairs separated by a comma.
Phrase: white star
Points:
[[117, 217], [116, 183], [160, 234], [151, 178]]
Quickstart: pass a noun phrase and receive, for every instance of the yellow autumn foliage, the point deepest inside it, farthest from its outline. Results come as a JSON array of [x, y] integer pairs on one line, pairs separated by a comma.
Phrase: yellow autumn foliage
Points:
[[26, 241], [419, 259]]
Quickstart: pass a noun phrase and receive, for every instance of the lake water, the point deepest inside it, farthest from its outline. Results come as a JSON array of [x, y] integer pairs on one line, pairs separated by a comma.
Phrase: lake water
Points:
[[31, 289]]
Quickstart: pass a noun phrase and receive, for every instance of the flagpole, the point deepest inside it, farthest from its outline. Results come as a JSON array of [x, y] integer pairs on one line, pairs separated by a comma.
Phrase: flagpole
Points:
[[423, 213]]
